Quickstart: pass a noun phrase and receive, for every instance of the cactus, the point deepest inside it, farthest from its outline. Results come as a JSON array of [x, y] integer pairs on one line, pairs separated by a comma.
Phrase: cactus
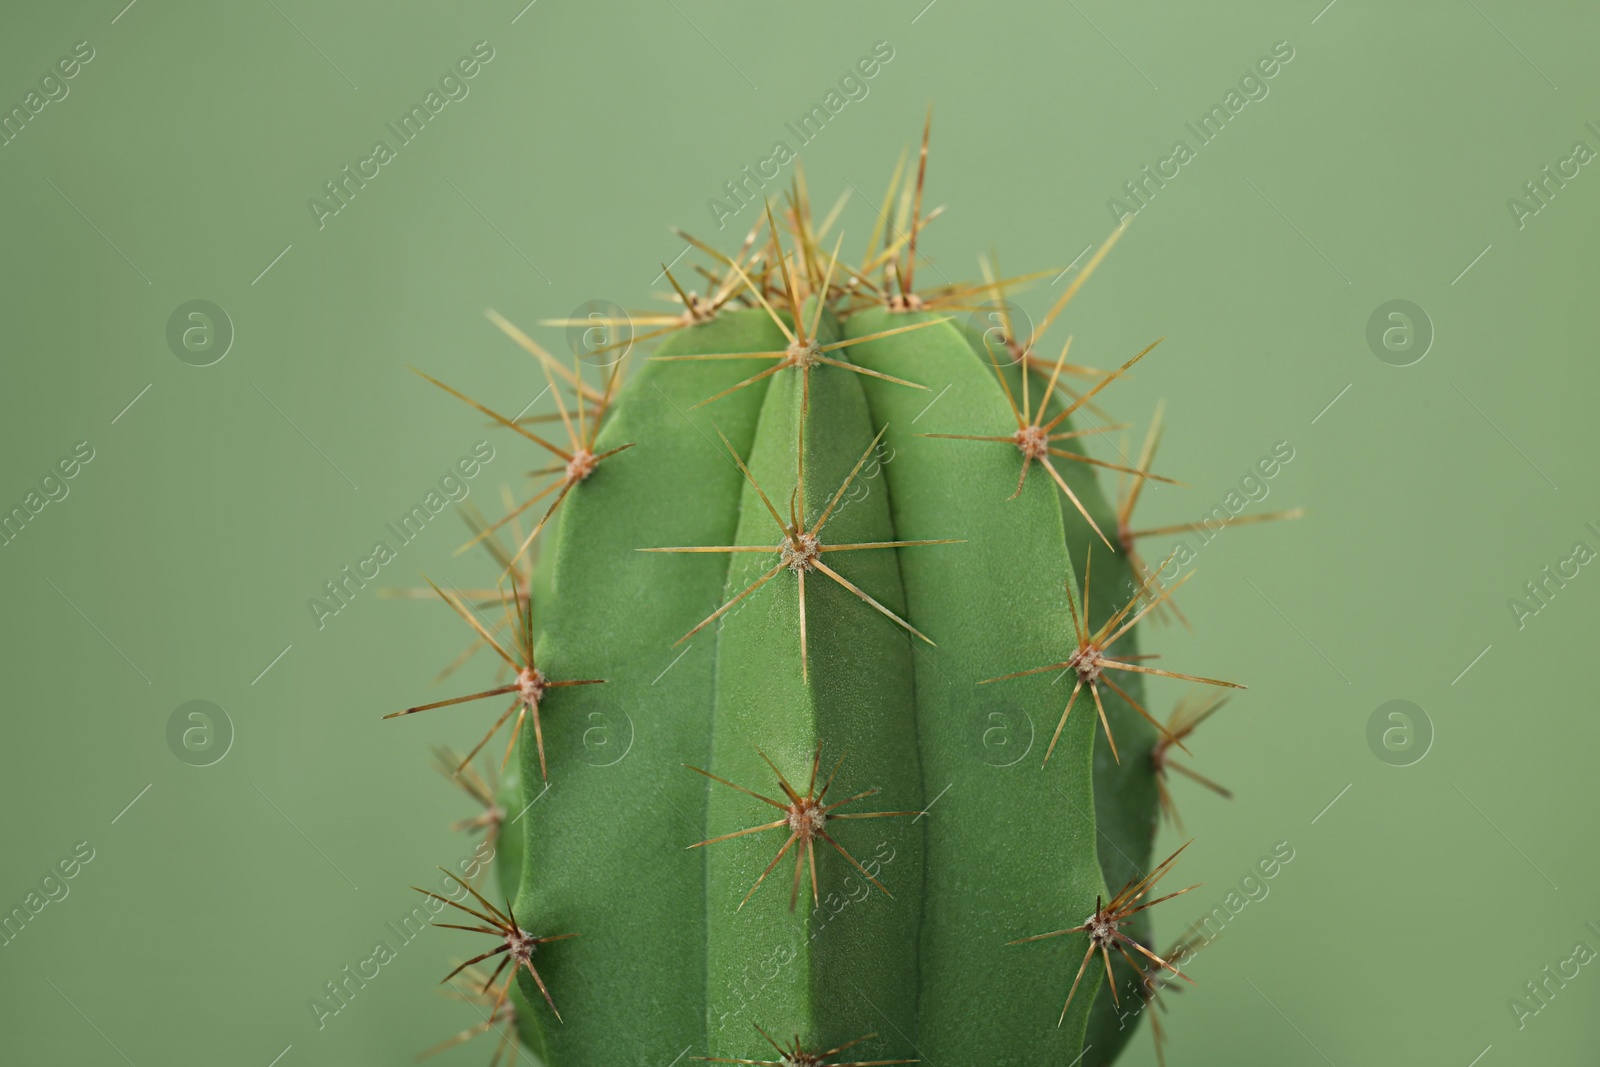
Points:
[[833, 549]]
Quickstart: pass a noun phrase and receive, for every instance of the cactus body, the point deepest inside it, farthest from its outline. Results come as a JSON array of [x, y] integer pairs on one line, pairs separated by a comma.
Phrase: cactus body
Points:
[[812, 797], [1016, 845]]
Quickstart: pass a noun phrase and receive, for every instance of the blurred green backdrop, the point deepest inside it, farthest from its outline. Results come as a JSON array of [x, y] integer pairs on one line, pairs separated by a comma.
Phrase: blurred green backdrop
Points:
[[176, 165]]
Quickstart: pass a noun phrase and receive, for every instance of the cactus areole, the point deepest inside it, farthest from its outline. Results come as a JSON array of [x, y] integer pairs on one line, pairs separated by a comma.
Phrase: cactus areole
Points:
[[823, 703]]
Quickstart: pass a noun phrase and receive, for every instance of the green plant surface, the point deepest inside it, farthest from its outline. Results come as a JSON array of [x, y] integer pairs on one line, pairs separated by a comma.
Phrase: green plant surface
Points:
[[605, 845], [844, 964], [1125, 781], [509, 847], [886, 710], [1010, 844], [1125, 796]]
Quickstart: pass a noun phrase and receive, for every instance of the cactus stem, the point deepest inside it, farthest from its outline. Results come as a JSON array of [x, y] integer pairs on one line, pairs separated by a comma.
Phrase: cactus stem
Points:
[[806, 818], [530, 685], [1104, 928], [518, 945], [801, 548], [790, 299], [1088, 660], [796, 1056]]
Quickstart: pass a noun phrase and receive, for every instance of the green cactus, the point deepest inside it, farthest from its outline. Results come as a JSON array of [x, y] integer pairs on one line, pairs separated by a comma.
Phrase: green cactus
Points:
[[833, 550]]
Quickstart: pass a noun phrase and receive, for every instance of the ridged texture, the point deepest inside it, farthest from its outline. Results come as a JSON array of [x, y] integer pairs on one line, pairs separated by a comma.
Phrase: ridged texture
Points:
[[604, 846], [666, 957]]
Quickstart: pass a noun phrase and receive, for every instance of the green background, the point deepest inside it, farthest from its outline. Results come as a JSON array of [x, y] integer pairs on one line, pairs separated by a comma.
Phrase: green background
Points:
[[179, 566]]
